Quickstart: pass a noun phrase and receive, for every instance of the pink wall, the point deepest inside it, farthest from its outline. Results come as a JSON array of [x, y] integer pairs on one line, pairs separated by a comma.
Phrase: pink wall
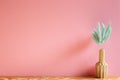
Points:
[[53, 37]]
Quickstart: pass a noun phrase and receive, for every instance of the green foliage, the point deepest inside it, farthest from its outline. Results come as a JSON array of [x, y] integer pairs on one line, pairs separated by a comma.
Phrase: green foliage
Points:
[[102, 33]]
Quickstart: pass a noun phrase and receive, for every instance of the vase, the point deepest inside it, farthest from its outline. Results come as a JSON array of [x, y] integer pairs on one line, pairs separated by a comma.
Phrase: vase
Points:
[[101, 66]]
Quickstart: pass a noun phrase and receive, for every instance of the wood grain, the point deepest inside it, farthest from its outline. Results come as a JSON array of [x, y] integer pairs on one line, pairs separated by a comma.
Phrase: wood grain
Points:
[[56, 78]]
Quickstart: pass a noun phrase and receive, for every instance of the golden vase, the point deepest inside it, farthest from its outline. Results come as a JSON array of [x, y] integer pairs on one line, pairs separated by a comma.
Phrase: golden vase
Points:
[[101, 66]]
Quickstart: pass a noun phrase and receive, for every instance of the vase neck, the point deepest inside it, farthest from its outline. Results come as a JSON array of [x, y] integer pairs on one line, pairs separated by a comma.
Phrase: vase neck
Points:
[[102, 55]]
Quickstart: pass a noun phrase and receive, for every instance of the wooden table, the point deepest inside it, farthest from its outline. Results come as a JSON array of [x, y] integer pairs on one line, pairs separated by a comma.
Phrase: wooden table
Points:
[[56, 78]]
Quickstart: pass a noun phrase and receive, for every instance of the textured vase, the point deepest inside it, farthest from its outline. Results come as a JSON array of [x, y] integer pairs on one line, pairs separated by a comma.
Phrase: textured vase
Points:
[[101, 66]]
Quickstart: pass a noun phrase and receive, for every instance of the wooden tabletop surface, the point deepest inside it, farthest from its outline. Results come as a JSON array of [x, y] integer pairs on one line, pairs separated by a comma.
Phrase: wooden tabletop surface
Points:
[[56, 78]]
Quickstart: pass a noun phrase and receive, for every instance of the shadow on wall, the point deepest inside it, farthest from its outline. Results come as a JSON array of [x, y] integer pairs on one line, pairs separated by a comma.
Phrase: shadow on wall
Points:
[[90, 72], [79, 46], [74, 50]]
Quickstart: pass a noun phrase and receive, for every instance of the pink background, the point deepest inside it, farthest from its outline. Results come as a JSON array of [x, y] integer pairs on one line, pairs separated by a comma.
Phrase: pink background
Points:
[[53, 37]]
